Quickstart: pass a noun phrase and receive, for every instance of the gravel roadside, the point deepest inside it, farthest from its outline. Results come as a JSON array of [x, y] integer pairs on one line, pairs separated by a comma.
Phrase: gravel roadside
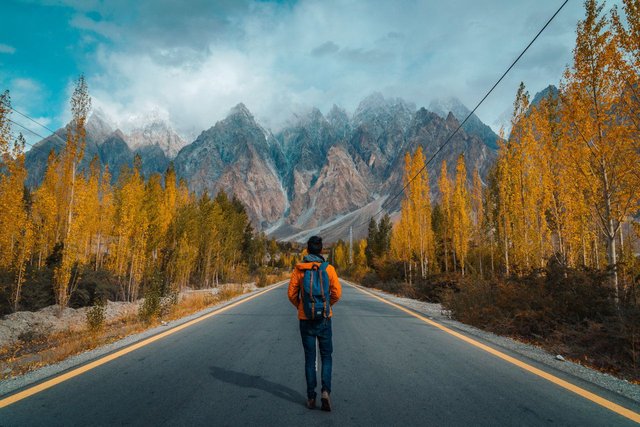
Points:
[[436, 313]]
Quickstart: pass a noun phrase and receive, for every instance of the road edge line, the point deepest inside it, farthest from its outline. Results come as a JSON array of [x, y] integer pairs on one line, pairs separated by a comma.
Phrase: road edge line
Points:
[[614, 407], [30, 391]]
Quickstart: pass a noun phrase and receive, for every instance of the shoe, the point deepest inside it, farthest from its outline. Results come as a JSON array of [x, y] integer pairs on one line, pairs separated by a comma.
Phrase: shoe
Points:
[[311, 403], [326, 402]]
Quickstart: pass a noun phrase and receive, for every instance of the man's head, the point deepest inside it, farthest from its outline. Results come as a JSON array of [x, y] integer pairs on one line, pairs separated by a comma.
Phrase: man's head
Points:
[[314, 245]]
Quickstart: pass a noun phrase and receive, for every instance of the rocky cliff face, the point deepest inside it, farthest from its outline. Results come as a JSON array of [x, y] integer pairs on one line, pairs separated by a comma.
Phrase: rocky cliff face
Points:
[[319, 174], [238, 156]]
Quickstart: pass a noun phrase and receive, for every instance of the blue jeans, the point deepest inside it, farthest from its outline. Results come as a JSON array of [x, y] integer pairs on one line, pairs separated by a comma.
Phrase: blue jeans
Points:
[[310, 330]]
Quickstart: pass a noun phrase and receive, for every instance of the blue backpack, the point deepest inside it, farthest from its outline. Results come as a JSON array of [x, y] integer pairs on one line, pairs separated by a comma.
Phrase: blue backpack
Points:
[[315, 292]]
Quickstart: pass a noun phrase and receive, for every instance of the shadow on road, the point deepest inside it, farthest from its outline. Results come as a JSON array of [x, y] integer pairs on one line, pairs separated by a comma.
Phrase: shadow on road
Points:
[[256, 382]]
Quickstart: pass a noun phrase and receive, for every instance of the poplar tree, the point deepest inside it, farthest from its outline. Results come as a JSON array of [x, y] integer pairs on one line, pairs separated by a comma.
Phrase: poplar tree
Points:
[[460, 214], [420, 200], [66, 274], [16, 232], [504, 200], [44, 211], [602, 148], [127, 251], [477, 217], [444, 184]]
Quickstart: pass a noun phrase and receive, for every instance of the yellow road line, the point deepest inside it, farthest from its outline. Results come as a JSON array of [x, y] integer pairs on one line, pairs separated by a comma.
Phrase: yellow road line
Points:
[[82, 369], [627, 413]]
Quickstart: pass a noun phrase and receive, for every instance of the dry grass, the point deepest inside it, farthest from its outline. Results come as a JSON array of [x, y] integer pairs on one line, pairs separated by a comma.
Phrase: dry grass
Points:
[[33, 352]]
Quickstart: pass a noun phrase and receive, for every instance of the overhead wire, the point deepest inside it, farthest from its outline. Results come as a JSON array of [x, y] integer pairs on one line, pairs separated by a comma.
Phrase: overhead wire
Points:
[[388, 202], [35, 147], [28, 130]]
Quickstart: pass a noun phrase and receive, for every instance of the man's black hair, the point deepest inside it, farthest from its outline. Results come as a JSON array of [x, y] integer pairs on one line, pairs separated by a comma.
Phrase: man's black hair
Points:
[[314, 245]]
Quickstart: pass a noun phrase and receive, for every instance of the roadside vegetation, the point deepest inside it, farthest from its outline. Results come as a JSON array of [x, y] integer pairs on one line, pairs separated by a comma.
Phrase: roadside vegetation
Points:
[[547, 249], [78, 240]]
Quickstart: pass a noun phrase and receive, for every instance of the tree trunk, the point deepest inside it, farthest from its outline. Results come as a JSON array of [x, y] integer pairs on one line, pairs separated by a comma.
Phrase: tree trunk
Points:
[[610, 230]]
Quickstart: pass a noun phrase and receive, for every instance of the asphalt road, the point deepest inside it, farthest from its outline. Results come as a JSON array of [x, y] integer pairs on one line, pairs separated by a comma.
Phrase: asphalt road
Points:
[[245, 367]]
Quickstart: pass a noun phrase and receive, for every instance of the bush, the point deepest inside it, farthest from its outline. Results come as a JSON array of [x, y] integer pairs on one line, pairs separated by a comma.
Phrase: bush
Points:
[[96, 316], [569, 311], [263, 278], [429, 289], [150, 307], [37, 291], [94, 287]]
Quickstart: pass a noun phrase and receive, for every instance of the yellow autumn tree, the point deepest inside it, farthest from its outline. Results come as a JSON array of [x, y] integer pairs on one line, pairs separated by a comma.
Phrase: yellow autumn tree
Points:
[[420, 212], [602, 149], [402, 245], [460, 215], [16, 231], [340, 257], [159, 217], [627, 37], [446, 198], [504, 200], [105, 217], [477, 218], [66, 274], [127, 250], [44, 212]]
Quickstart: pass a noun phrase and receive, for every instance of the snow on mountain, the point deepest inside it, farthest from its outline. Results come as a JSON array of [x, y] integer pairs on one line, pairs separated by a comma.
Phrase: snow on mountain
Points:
[[152, 128]]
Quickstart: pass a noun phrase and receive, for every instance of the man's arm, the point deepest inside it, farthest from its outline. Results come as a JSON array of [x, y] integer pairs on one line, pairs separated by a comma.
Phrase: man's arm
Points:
[[294, 288], [335, 289]]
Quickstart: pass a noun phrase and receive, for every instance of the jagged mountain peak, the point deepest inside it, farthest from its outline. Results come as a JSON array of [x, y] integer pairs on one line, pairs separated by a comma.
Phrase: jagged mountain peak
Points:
[[339, 120], [99, 125], [312, 116], [473, 126], [117, 134], [153, 128], [337, 113], [374, 100], [451, 120], [376, 105], [551, 89], [443, 106], [240, 111]]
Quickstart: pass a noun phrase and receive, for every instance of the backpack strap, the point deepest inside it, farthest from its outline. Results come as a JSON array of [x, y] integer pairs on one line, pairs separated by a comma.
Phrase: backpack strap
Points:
[[322, 268]]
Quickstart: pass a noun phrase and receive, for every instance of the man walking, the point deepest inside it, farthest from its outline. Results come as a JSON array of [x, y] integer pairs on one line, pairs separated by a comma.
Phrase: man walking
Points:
[[314, 288]]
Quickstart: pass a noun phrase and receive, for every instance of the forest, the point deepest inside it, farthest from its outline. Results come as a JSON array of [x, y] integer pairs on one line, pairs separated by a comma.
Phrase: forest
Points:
[[78, 240]]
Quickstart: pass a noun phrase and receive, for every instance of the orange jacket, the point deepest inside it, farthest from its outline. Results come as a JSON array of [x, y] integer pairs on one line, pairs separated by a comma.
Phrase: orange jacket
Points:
[[335, 290]]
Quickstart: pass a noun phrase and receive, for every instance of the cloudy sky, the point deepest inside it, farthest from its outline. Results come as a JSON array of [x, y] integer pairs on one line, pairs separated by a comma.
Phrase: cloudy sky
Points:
[[194, 60]]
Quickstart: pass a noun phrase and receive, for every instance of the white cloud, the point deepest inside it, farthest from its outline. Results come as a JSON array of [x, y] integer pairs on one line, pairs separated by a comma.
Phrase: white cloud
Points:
[[5, 48], [196, 63]]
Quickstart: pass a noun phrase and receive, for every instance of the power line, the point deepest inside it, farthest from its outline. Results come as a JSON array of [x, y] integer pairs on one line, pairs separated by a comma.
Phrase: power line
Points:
[[33, 146], [27, 129], [388, 202], [31, 119], [26, 116]]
